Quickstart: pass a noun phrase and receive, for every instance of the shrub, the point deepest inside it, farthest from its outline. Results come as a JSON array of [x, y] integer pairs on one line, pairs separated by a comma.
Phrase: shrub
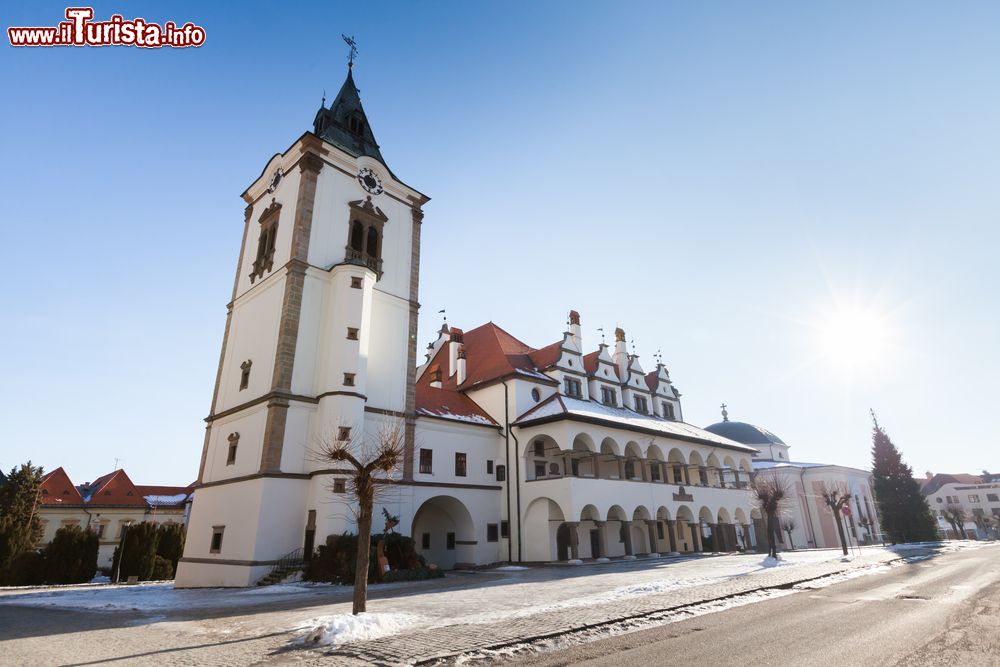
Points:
[[71, 557], [163, 569], [171, 544], [140, 544], [27, 569], [335, 561]]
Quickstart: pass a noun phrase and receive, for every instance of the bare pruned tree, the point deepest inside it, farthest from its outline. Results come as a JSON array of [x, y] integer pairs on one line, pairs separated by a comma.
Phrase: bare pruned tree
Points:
[[374, 460], [956, 517], [770, 491], [788, 525], [836, 498]]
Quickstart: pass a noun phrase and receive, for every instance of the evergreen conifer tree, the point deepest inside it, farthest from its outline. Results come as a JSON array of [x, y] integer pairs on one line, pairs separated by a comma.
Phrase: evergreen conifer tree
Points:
[[902, 508]]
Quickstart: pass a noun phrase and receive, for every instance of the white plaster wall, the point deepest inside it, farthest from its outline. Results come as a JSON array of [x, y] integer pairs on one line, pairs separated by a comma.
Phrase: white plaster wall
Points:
[[250, 425], [285, 194]]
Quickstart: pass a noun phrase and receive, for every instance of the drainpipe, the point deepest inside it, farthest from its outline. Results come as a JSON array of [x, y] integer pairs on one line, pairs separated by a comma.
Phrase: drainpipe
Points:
[[517, 467], [506, 435]]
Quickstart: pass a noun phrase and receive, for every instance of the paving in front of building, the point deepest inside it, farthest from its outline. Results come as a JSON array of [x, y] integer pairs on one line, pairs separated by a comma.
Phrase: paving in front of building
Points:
[[463, 613]]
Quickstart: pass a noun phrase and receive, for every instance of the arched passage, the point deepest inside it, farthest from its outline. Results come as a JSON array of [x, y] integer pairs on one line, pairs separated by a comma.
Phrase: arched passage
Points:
[[542, 519], [444, 533]]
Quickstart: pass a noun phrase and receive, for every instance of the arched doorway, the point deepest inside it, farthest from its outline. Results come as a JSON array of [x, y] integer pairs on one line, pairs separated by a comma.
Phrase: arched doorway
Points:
[[443, 532]]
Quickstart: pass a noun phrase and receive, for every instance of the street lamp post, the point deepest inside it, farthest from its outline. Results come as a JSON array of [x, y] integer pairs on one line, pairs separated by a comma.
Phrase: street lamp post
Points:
[[121, 551]]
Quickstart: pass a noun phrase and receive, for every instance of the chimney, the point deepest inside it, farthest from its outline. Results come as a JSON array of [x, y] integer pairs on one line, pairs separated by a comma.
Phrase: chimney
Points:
[[621, 357], [461, 365], [574, 329], [929, 474], [435, 376], [453, 346]]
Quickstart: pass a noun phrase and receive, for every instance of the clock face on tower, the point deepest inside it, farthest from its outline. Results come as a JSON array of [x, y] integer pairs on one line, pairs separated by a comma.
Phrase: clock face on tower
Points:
[[370, 181]]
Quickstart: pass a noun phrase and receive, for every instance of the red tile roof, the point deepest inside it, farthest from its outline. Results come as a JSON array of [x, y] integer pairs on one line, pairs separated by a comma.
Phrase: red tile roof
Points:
[[491, 353], [590, 362], [115, 488], [449, 404], [546, 356], [652, 380], [58, 489]]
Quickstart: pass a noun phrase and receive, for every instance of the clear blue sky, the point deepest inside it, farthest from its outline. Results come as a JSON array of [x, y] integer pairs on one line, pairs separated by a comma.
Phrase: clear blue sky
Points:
[[713, 177]]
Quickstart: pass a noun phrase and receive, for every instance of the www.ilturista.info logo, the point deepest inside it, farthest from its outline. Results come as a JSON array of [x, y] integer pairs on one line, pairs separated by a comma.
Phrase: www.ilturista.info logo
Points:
[[80, 30]]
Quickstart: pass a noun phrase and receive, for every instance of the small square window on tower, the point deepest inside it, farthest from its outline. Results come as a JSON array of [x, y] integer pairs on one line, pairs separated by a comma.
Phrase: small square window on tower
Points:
[[348, 379], [245, 374], [356, 282], [339, 486], [344, 433], [352, 333], [216, 545]]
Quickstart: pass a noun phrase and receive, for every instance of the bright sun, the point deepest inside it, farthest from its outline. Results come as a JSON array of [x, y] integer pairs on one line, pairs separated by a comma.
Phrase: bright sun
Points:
[[856, 337]]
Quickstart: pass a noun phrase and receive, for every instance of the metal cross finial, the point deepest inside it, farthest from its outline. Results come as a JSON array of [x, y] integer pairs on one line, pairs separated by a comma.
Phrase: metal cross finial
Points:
[[601, 329], [874, 418], [444, 315], [323, 104], [725, 414], [354, 49]]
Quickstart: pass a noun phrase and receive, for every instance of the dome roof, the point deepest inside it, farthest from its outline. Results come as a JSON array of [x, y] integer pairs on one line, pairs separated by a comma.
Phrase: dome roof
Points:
[[748, 434]]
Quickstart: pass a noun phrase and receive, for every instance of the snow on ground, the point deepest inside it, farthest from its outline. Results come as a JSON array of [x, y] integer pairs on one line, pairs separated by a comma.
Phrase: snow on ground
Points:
[[344, 628], [509, 568]]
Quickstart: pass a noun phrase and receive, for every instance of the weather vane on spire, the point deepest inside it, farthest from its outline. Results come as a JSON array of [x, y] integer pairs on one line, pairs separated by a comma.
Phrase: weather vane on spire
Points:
[[354, 49]]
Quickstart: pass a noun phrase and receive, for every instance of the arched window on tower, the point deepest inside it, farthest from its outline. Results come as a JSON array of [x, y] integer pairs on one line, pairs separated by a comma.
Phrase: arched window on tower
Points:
[[372, 247], [356, 125]]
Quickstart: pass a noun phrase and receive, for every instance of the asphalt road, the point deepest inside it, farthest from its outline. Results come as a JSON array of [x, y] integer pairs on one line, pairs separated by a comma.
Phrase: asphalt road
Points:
[[944, 611]]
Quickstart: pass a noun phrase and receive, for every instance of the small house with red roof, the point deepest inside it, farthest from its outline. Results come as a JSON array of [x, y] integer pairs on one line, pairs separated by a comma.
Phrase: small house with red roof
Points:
[[106, 505]]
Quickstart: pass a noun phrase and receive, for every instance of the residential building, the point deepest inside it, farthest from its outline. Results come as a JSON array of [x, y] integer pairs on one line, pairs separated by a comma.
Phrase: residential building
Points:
[[107, 505], [973, 499]]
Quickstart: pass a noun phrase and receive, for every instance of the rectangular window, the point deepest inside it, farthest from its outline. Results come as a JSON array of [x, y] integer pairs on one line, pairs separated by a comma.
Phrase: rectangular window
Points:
[[659, 530], [573, 387], [231, 456], [355, 282], [641, 405], [973, 498], [539, 469], [344, 433], [216, 546], [459, 464], [489, 466], [425, 541], [668, 411], [996, 511], [100, 530], [574, 466], [352, 333], [609, 396], [245, 374], [504, 529], [629, 469], [654, 472], [450, 544], [426, 461], [492, 532], [539, 446], [992, 498], [340, 486], [501, 473], [348, 379]]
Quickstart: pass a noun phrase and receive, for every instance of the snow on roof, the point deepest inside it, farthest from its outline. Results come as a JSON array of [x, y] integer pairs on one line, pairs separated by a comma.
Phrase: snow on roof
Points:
[[454, 405], [160, 501], [564, 406]]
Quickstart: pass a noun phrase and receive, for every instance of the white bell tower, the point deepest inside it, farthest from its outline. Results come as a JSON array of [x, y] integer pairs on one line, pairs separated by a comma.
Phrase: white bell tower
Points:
[[320, 336]]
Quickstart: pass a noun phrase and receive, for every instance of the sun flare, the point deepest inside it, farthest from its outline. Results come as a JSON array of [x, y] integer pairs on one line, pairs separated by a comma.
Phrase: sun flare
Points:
[[856, 337]]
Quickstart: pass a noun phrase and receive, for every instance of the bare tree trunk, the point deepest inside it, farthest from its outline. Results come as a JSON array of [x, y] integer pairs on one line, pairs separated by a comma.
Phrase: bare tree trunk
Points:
[[840, 531], [364, 553], [772, 535]]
